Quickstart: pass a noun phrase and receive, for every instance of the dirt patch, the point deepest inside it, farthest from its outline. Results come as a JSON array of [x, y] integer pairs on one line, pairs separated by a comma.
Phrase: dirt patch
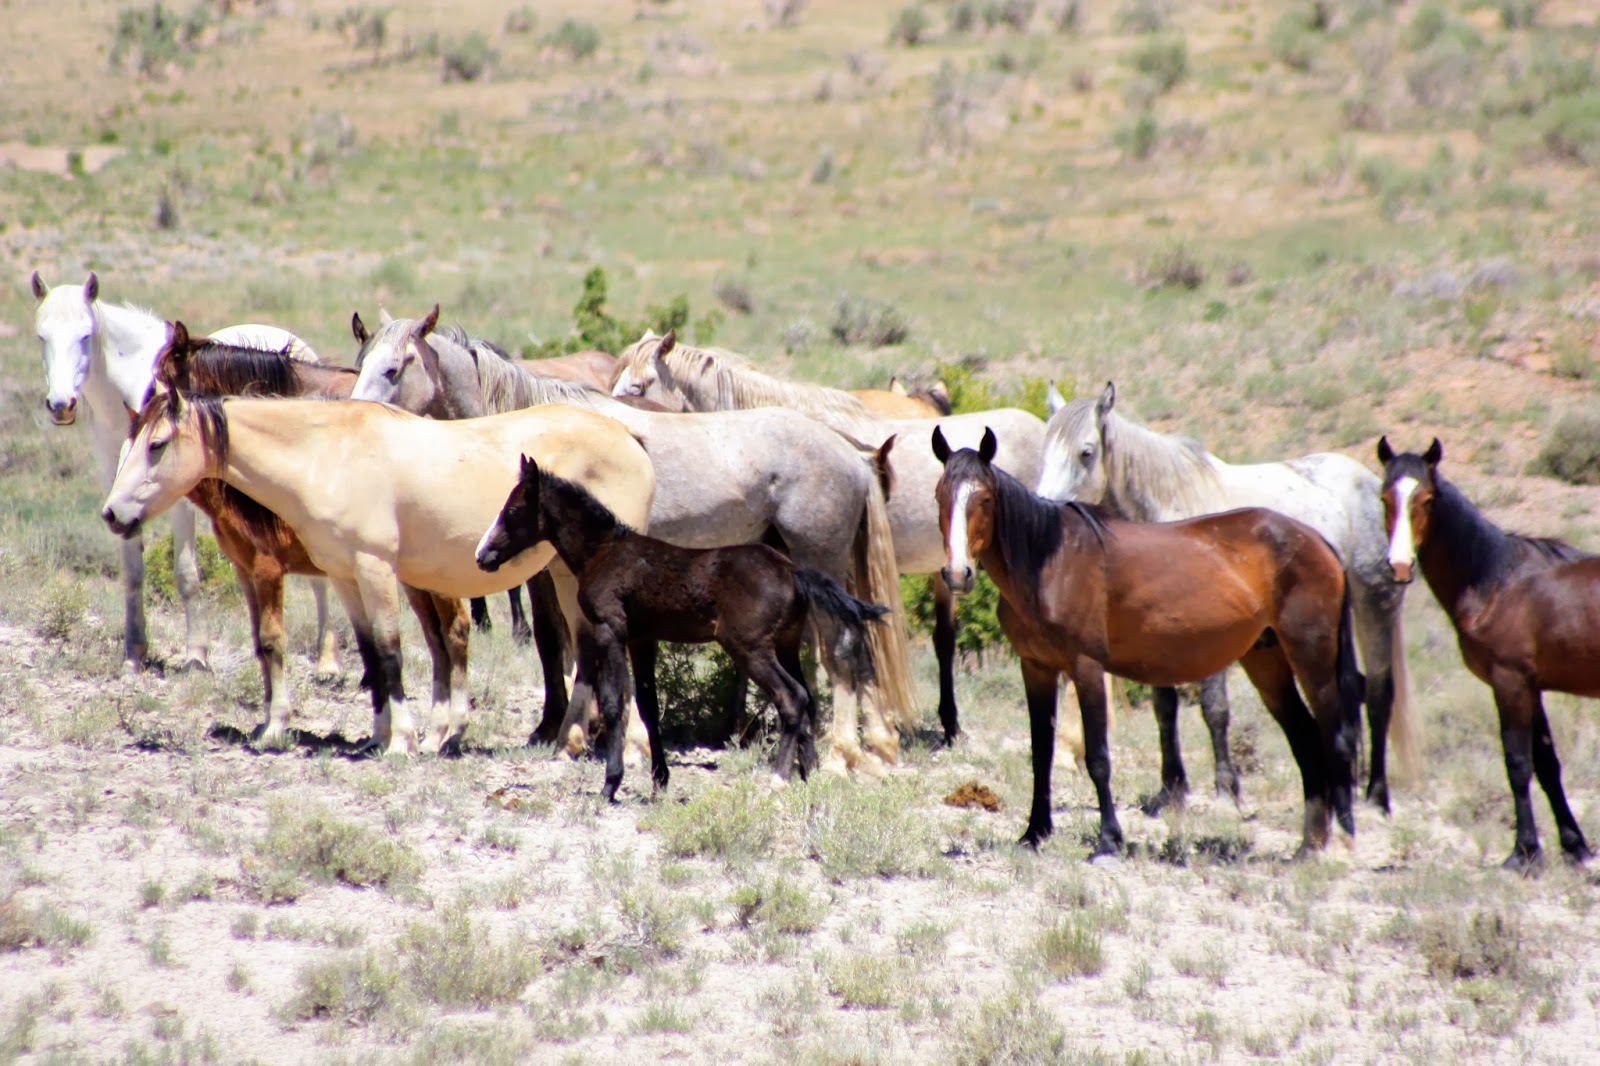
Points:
[[53, 159]]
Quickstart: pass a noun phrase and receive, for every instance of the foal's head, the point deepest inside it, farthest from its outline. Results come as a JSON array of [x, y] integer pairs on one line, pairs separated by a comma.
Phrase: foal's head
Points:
[[966, 500], [543, 507], [1409, 488], [1073, 465], [385, 356]]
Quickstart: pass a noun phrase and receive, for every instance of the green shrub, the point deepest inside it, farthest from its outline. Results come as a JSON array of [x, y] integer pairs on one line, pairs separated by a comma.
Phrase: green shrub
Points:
[[521, 20], [910, 26], [454, 963], [1072, 947], [216, 572], [351, 989], [312, 842], [1143, 16], [868, 323], [1011, 1029], [977, 624], [1571, 126], [595, 329], [577, 38], [864, 832], [1458, 946], [466, 59], [1163, 59], [1174, 267], [60, 607], [1295, 40], [1572, 450], [779, 904], [732, 822], [1138, 139], [156, 37]]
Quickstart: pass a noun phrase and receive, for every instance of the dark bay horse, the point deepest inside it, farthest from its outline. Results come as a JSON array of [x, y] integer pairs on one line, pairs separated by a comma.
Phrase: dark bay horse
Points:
[[1527, 618], [636, 591], [1084, 594]]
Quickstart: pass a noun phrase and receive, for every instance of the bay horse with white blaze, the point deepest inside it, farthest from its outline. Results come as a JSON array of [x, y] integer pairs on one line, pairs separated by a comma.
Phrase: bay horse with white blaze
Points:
[[1527, 617], [636, 591], [1084, 594]]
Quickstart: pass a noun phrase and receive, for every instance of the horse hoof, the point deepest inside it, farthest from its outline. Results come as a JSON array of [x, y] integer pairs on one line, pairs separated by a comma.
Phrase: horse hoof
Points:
[[1105, 859], [1168, 796], [1526, 863]]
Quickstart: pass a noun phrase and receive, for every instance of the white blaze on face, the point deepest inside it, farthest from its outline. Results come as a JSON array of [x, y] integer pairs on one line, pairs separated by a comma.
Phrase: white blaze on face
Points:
[[1402, 545], [956, 549], [488, 535]]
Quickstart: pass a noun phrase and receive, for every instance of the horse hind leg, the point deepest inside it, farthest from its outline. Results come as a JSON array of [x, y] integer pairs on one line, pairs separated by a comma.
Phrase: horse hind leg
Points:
[[375, 591], [1174, 782], [642, 654], [789, 660], [762, 664], [1374, 631], [327, 668], [1547, 768], [551, 641], [264, 596], [1520, 713], [1269, 671], [1216, 712], [521, 632]]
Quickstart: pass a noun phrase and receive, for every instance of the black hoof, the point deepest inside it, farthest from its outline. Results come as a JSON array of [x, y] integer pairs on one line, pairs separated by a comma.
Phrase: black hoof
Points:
[[1526, 863], [1169, 794], [1347, 821], [1033, 838], [1378, 795]]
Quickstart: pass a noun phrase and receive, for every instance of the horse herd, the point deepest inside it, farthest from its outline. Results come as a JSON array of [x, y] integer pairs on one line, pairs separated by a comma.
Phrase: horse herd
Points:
[[678, 493]]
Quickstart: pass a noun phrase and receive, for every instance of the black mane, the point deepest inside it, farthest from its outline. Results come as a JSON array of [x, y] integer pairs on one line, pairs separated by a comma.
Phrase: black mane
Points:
[[592, 513], [1487, 553]]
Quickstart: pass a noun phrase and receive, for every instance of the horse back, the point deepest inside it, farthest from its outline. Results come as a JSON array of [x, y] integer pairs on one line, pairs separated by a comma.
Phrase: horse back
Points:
[[1542, 626], [687, 595]]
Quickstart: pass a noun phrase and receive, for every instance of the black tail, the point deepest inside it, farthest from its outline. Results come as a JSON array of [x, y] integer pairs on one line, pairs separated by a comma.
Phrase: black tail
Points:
[[1352, 691], [823, 592]]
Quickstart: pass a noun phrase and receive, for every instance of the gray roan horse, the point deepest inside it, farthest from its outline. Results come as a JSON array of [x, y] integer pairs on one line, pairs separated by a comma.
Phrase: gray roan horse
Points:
[[722, 479], [1094, 455], [717, 380]]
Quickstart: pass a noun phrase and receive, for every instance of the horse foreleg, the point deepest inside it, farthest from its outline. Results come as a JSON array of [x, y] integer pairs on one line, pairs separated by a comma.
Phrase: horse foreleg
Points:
[[1039, 683], [1547, 768], [1174, 782], [375, 586], [480, 615], [944, 649], [456, 628], [264, 595], [1089, 682], [186, 576], [435, 614], [327, 667], [135, 644], [736, 723], [1268, 669], [643, 655], [1516, 701], [550, 638]]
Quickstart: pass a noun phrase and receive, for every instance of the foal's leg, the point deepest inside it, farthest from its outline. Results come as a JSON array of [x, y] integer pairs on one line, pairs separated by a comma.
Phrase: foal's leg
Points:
[[1268, 669], [944, 649], [789, 660], [550, 638], [611, 683], [327, 641], [762, 663], [643, 655], [1174, 782], [186, 575], [1547, 768], [1517, 702]]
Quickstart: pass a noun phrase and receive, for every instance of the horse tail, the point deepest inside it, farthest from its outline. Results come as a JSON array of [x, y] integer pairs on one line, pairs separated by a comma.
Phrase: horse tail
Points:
[[877, 579], [1347, 674], [823, 593], [1404, 729]]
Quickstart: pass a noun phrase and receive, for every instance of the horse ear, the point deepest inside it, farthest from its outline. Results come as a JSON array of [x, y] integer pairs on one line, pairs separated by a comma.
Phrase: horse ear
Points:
[[384, 317], [897, 386], [667, 343], [1434, 453], [91, 288], [1053, 400], [941, 447], [940, 393], [359, 328], [40, 289], [530, 468], [1108, 399], [881, 467], [988, 446], [180, 336], [1385, 453], [425, 327]]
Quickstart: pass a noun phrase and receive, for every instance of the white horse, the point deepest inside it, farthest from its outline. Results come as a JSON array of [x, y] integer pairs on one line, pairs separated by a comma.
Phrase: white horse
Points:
[[105, 354], [1094, 455]]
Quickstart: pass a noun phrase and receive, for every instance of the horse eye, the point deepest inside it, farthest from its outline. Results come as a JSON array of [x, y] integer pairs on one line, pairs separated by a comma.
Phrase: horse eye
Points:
[[391, 373], [157, 447], [1088, 451]]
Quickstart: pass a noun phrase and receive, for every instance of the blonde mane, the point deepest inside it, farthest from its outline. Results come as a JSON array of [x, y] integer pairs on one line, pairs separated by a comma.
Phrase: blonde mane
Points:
[[715, 379], [507, 387], [1147, 472]]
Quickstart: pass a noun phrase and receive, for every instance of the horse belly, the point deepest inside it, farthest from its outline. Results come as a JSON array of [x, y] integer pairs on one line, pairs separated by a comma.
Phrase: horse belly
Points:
[[1177, 656], [1565, 630]]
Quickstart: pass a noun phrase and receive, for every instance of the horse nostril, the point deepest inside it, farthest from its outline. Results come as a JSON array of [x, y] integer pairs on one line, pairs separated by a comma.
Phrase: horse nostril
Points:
[[1402, 572]]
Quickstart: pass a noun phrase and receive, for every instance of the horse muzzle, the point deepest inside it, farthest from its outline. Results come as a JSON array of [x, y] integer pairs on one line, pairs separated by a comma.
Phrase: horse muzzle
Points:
[[1401, 571], [62, 414], [125, 530], [958, 583], [488, 558]]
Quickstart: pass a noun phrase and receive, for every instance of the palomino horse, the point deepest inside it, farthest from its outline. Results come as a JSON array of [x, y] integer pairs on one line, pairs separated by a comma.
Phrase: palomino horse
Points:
[[104, 353], [1527, 617], [715, 380], [721, 479], [899, 402], [1084, 594], [636, 591], [1095, 455], [377, 495]]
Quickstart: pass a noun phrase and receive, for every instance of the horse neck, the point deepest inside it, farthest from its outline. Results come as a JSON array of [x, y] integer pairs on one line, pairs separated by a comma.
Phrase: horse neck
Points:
[[729, 387], [1153, 477], [1464, 553], [578, 532], [125, 344], [457, 392], [1028, 533], [273, 448]]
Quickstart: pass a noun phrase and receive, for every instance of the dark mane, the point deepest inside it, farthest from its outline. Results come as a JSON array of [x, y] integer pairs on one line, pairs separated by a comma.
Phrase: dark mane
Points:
[[212, 418], [231, 370], [1489, 554], [1028, 530], [591, 511]]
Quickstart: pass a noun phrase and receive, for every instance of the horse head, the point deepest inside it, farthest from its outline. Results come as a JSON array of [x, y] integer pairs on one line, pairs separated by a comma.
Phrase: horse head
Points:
[[643, 367], [66, 324], [1409, 487], [174, 443], [966, 498], [386, 355], [1075, 448], [519, 525]]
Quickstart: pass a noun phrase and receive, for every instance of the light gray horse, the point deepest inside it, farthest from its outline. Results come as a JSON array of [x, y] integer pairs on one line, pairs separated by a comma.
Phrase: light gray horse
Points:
[[709, 379], [1094, 455], [722, 479]]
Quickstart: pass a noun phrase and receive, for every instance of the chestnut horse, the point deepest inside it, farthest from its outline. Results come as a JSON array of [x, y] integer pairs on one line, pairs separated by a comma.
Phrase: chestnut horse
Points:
[[1165, 603], [636, 591], [1527, 618]]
